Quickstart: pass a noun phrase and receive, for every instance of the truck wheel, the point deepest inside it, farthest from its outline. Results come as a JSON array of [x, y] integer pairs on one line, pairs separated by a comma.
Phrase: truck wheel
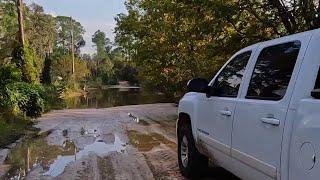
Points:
[[191, 162]]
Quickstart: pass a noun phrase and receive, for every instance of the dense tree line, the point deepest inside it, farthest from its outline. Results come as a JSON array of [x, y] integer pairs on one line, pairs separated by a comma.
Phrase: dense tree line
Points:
[[173, 41], [40, 58], [110, 62], [165, 43], [46, 38]]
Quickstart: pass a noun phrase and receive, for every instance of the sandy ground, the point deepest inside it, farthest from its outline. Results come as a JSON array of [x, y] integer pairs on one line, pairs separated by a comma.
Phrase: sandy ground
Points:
[[108, 144]]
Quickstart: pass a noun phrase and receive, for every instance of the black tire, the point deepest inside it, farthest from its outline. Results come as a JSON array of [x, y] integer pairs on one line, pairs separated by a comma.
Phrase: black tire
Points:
[[197, 163]]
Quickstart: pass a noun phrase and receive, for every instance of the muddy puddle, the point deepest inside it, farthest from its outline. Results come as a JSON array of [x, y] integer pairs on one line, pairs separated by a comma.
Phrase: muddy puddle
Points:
[[36, 153], [146, 142], [99, 144]]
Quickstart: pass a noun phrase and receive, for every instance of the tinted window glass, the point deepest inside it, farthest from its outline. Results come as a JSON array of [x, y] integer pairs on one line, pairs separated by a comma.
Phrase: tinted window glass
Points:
[[273, 71], [228, 82], [317, 85]]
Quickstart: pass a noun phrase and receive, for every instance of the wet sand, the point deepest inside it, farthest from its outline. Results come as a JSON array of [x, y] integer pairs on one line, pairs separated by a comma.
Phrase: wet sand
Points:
[[103, 144]]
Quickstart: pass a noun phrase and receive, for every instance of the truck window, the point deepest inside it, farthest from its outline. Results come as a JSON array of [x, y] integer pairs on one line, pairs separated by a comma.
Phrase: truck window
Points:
[[228, 81], [273, 71], [317, 84]]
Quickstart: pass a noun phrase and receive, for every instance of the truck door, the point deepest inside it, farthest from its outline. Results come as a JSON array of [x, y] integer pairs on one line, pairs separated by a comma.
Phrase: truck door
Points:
[[215, 114], [261, 111], [304, 149]]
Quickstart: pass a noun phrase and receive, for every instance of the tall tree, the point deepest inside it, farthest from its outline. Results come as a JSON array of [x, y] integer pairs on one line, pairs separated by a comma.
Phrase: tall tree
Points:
[[61, 69], [298, 15], [173, 41], [46, 42], [20, 8], [64, 27], [102, 43], [46, 73], [104, 66], [40, 30], [8, 30]]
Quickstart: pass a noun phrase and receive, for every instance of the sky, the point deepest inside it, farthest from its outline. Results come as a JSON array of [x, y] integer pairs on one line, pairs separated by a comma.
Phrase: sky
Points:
[[92, 14]]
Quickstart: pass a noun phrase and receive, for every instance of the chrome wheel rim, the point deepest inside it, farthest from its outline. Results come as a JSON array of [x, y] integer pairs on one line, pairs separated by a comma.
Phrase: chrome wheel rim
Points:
[[184, 151]]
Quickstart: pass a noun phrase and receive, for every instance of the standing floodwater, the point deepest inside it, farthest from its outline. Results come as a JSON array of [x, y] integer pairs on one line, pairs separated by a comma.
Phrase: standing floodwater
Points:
[[113, 97]]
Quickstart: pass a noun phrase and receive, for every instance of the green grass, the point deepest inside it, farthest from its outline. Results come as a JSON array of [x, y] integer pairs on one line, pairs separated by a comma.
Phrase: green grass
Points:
[[12, 131]]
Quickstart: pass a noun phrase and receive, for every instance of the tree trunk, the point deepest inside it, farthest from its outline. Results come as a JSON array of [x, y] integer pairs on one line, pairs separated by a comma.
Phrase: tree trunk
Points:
[[19, 4], [72, 52], [72, 46], [286, 17]]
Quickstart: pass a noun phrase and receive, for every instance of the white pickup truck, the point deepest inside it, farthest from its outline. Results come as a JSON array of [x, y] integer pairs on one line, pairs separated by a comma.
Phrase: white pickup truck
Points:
[[259, 117]]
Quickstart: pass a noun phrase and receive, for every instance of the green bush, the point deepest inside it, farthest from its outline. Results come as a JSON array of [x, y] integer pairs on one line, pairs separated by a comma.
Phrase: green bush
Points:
[[52, 96], [8, 74], [23, 98], [27, 61]]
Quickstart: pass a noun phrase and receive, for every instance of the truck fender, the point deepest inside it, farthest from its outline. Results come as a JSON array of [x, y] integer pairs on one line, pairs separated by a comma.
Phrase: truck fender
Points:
[[187, 115]]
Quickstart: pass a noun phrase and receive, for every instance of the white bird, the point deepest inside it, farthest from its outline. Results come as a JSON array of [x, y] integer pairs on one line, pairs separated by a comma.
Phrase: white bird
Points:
[[134, 118]]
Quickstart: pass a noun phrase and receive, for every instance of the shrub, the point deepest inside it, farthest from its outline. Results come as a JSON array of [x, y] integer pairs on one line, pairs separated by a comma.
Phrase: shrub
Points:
[[23, 98], [52, 96], [27, 61], [8, 74]]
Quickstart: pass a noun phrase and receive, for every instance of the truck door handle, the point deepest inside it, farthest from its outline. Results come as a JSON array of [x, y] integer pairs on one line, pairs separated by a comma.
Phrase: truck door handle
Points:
[[226, 113], [272, 121]]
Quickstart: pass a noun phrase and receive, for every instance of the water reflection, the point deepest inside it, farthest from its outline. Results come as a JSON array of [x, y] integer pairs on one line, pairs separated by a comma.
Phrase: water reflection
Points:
[[53, 159], [115, 97], [99, 147], [146, 142], [35, 152]]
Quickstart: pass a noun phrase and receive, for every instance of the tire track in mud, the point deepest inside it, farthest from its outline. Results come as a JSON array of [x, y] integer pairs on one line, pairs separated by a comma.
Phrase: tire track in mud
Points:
[[163, 164], [150, 137], [106, 169], [109, 128]]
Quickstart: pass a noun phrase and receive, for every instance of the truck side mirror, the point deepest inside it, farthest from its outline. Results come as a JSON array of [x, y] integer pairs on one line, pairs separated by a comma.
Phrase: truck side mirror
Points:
[[316, 93], [199, 85]]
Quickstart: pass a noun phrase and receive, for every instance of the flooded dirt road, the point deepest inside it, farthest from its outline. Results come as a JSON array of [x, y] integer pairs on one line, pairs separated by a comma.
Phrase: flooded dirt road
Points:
[[102, 144]]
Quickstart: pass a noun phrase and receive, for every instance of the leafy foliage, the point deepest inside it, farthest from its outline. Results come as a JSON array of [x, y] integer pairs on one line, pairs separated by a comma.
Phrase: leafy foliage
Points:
[[109, 64], [65, 26], [23, 97], [47, 44], [173, 41], [8, 29], [27, 61], [9, 74], [40, 28], [46, 73], [45, 54], [63, 69]]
